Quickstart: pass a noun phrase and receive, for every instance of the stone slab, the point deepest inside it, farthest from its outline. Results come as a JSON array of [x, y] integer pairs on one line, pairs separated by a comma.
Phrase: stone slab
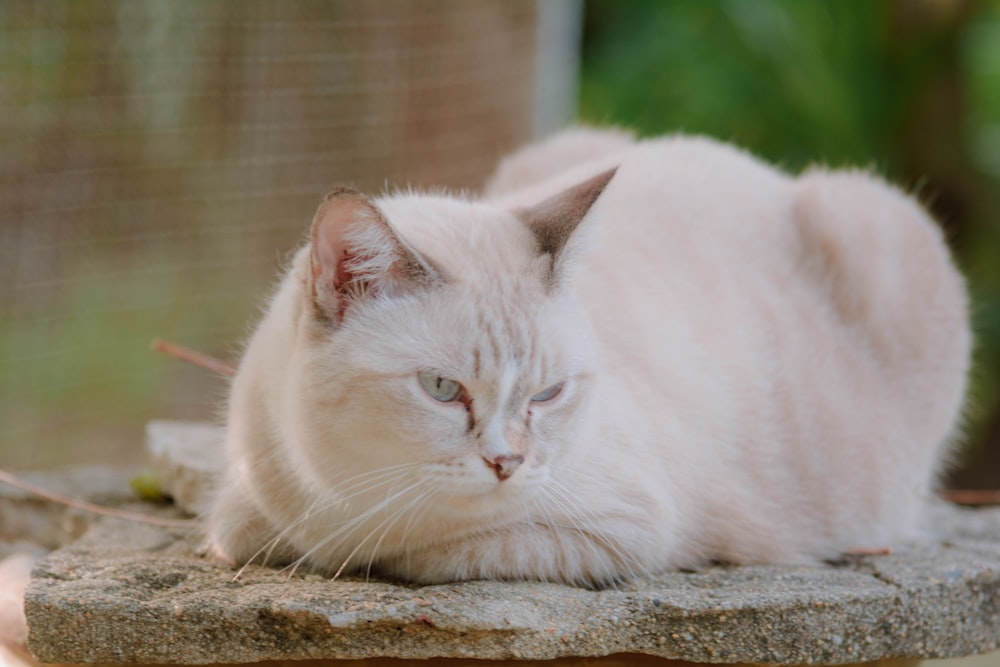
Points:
[[132, 593], [122, 592], [27, 518], [186, 457]]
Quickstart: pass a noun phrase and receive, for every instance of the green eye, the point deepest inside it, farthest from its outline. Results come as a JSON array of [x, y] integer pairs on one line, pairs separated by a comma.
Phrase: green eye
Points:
[[547, 394], [439, 388]]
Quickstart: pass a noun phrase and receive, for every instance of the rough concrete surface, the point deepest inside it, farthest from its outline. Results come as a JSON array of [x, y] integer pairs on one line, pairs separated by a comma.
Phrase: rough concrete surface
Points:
[[186, 457], [133, 593]]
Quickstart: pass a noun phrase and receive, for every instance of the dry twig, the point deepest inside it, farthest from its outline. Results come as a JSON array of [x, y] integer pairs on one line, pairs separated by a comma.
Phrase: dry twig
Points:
[[173, 350], [972, 496], [868, 551], [91, 507], [192, 357]]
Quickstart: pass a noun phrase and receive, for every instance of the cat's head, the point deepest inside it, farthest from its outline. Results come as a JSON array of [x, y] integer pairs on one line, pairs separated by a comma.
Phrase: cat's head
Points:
[[442, 344]]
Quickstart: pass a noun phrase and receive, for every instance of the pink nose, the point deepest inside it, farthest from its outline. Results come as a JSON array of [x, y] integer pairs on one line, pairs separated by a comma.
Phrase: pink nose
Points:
[[504, 466]]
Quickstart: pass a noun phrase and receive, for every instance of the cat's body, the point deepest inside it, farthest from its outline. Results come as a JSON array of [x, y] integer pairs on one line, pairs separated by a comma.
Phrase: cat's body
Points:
[[718, 362]]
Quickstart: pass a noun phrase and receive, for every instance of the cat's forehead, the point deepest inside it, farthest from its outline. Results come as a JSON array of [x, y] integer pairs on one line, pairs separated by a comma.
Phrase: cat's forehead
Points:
[[471, 241], [494, 314], [517, 328]]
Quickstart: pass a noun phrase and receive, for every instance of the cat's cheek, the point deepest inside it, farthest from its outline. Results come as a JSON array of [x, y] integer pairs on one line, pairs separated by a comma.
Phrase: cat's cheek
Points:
[[550, 439], [556, 428]]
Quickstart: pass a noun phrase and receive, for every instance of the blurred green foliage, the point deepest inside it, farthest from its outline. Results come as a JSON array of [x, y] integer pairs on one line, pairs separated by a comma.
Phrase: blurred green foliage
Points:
[[797, 82], [910, 88]]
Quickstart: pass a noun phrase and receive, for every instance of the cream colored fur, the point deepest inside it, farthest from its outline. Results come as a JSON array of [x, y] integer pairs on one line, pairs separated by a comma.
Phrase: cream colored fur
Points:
[[756, 368]]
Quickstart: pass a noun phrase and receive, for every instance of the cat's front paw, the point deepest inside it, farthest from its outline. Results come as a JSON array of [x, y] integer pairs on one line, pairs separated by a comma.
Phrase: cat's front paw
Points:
[[214, 551], [530, 552], [238, 534]]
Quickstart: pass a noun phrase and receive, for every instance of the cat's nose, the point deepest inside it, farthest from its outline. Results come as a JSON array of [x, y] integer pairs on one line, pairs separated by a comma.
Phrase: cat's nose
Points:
[[504, 465]]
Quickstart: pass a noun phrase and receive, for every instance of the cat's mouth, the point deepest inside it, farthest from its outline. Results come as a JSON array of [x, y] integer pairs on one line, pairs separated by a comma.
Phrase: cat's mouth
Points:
[[495, 498]]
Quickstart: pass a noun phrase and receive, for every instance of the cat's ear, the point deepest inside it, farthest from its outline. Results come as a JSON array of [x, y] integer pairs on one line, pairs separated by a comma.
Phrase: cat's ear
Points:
[[356, 254], [554, 220]]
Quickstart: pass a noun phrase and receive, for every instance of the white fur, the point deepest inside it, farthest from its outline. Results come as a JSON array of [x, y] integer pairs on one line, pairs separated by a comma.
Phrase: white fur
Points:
[[757, 368]]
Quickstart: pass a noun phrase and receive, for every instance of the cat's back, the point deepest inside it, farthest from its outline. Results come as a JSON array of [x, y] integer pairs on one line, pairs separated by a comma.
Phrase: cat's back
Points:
[[684, 237], [676, 198], [724, 234], [695, 224], [750, 259], [806, 335], [772, 317]]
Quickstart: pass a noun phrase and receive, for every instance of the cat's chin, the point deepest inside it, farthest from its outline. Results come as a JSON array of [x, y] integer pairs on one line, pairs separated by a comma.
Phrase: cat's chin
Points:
[[500, 499]]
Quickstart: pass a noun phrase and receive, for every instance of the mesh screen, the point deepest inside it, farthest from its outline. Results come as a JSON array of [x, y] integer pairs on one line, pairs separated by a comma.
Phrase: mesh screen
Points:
[[158, 160]]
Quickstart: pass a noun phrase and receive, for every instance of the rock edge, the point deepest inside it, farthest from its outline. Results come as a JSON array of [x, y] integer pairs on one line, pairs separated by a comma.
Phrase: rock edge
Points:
[[119, 592], [129, 593]]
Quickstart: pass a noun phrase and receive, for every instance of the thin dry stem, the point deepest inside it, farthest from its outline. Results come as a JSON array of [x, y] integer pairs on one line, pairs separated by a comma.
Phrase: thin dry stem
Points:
[[192, 357], [90, 507], [972, 496], [868, 551]]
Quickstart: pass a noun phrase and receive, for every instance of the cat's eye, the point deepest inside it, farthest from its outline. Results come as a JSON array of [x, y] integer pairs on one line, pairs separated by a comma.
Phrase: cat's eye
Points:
[[439, 388], [547, 394]]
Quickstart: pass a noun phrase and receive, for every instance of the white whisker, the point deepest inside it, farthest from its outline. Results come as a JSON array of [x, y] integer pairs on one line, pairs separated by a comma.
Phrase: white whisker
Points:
[[586, 536], [352, 524], [588, 523], [554, 527], [369, 481], [372, 532], [270, 545], [410, 506], [355, 485]]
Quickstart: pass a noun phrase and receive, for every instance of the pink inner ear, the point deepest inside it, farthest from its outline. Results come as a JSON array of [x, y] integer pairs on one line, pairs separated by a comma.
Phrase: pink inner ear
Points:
[[330, 255], [357, 254], [329, 249]]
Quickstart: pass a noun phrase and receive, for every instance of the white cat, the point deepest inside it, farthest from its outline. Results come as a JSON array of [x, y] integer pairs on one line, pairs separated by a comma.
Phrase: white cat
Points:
[[629, 357]]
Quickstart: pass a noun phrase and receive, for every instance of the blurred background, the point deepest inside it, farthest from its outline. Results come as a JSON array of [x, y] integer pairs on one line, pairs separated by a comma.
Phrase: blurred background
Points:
[[908, 88], [159, 160]]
